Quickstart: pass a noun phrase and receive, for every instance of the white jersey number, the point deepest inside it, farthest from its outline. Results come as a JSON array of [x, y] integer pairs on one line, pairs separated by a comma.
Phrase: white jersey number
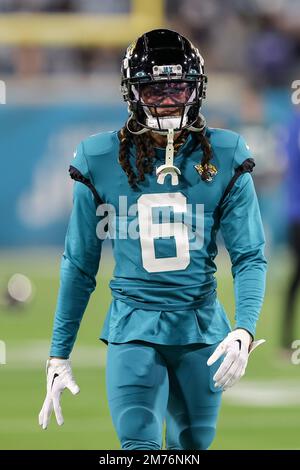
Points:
[[150, 231]]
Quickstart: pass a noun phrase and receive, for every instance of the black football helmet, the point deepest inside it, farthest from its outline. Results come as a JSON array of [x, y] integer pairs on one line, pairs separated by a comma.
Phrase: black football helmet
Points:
[[163, 70]]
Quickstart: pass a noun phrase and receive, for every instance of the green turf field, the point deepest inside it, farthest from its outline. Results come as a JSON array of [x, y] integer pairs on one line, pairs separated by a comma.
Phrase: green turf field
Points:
[[263, 412]]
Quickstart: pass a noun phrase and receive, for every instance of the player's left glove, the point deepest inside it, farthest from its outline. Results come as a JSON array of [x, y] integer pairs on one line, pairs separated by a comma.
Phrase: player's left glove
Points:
[[59, 376], [236, 347]]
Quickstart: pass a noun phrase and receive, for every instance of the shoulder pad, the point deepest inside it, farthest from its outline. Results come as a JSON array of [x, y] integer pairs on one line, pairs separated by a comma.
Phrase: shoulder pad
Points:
[[222, 137], [99, 144]]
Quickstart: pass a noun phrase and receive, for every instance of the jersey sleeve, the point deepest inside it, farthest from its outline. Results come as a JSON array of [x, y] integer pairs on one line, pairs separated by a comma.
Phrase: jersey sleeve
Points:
[[79, 266], [243, 234], [241, 153]]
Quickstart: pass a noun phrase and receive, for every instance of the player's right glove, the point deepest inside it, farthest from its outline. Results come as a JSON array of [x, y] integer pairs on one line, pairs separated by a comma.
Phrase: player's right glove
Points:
[[59, 376]]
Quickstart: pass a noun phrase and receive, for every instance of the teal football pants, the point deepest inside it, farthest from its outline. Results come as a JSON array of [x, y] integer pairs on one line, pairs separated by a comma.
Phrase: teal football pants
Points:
[[148, 384]]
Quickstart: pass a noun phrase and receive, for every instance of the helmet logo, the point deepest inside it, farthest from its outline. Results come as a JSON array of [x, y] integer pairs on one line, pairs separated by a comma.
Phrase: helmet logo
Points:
[[159, 70], [130, 49]]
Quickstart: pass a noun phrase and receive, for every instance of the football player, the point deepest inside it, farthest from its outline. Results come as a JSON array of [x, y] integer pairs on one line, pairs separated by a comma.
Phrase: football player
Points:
[[161, 188]]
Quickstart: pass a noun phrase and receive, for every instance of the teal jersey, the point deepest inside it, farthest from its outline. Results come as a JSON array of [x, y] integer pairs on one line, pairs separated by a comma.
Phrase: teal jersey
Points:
[[164, 245]]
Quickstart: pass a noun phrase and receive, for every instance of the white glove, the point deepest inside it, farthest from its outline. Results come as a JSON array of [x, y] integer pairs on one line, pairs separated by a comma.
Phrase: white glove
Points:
[[236, 347], [59, 377]]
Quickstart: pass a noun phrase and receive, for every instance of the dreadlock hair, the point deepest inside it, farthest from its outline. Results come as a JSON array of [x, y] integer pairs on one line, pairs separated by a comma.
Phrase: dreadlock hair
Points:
[[205, 146], [145, 153]]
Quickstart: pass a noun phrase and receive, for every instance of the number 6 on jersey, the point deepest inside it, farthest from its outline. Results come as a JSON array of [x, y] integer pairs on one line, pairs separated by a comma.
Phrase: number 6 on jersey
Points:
[[150, 231]]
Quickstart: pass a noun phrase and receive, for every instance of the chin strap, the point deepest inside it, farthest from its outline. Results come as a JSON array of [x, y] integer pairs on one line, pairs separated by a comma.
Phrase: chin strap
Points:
[[141, 131], [201, 127], [168, 168]]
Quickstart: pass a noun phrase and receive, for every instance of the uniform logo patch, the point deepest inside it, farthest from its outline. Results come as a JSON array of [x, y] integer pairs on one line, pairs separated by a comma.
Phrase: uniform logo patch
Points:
[[209, 167]]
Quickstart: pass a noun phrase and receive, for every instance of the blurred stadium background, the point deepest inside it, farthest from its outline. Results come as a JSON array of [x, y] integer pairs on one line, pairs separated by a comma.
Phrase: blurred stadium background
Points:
[[60, 61]]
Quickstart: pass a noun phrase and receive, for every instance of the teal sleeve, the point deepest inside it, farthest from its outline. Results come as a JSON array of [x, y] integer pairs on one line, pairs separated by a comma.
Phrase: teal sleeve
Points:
[[242, 230], [79, 267]]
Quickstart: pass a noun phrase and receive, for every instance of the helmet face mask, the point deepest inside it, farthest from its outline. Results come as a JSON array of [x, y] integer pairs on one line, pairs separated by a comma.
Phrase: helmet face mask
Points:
[[163, 81], [165, 103]]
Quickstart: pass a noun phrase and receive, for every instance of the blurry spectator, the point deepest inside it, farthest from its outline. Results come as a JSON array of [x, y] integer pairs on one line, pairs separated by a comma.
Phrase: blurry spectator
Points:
[[288, 333], [28, 60], [102, 6], [271, 53], [259, 40], [33, 60], [197, 21], [89, 59], [30, 6]]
